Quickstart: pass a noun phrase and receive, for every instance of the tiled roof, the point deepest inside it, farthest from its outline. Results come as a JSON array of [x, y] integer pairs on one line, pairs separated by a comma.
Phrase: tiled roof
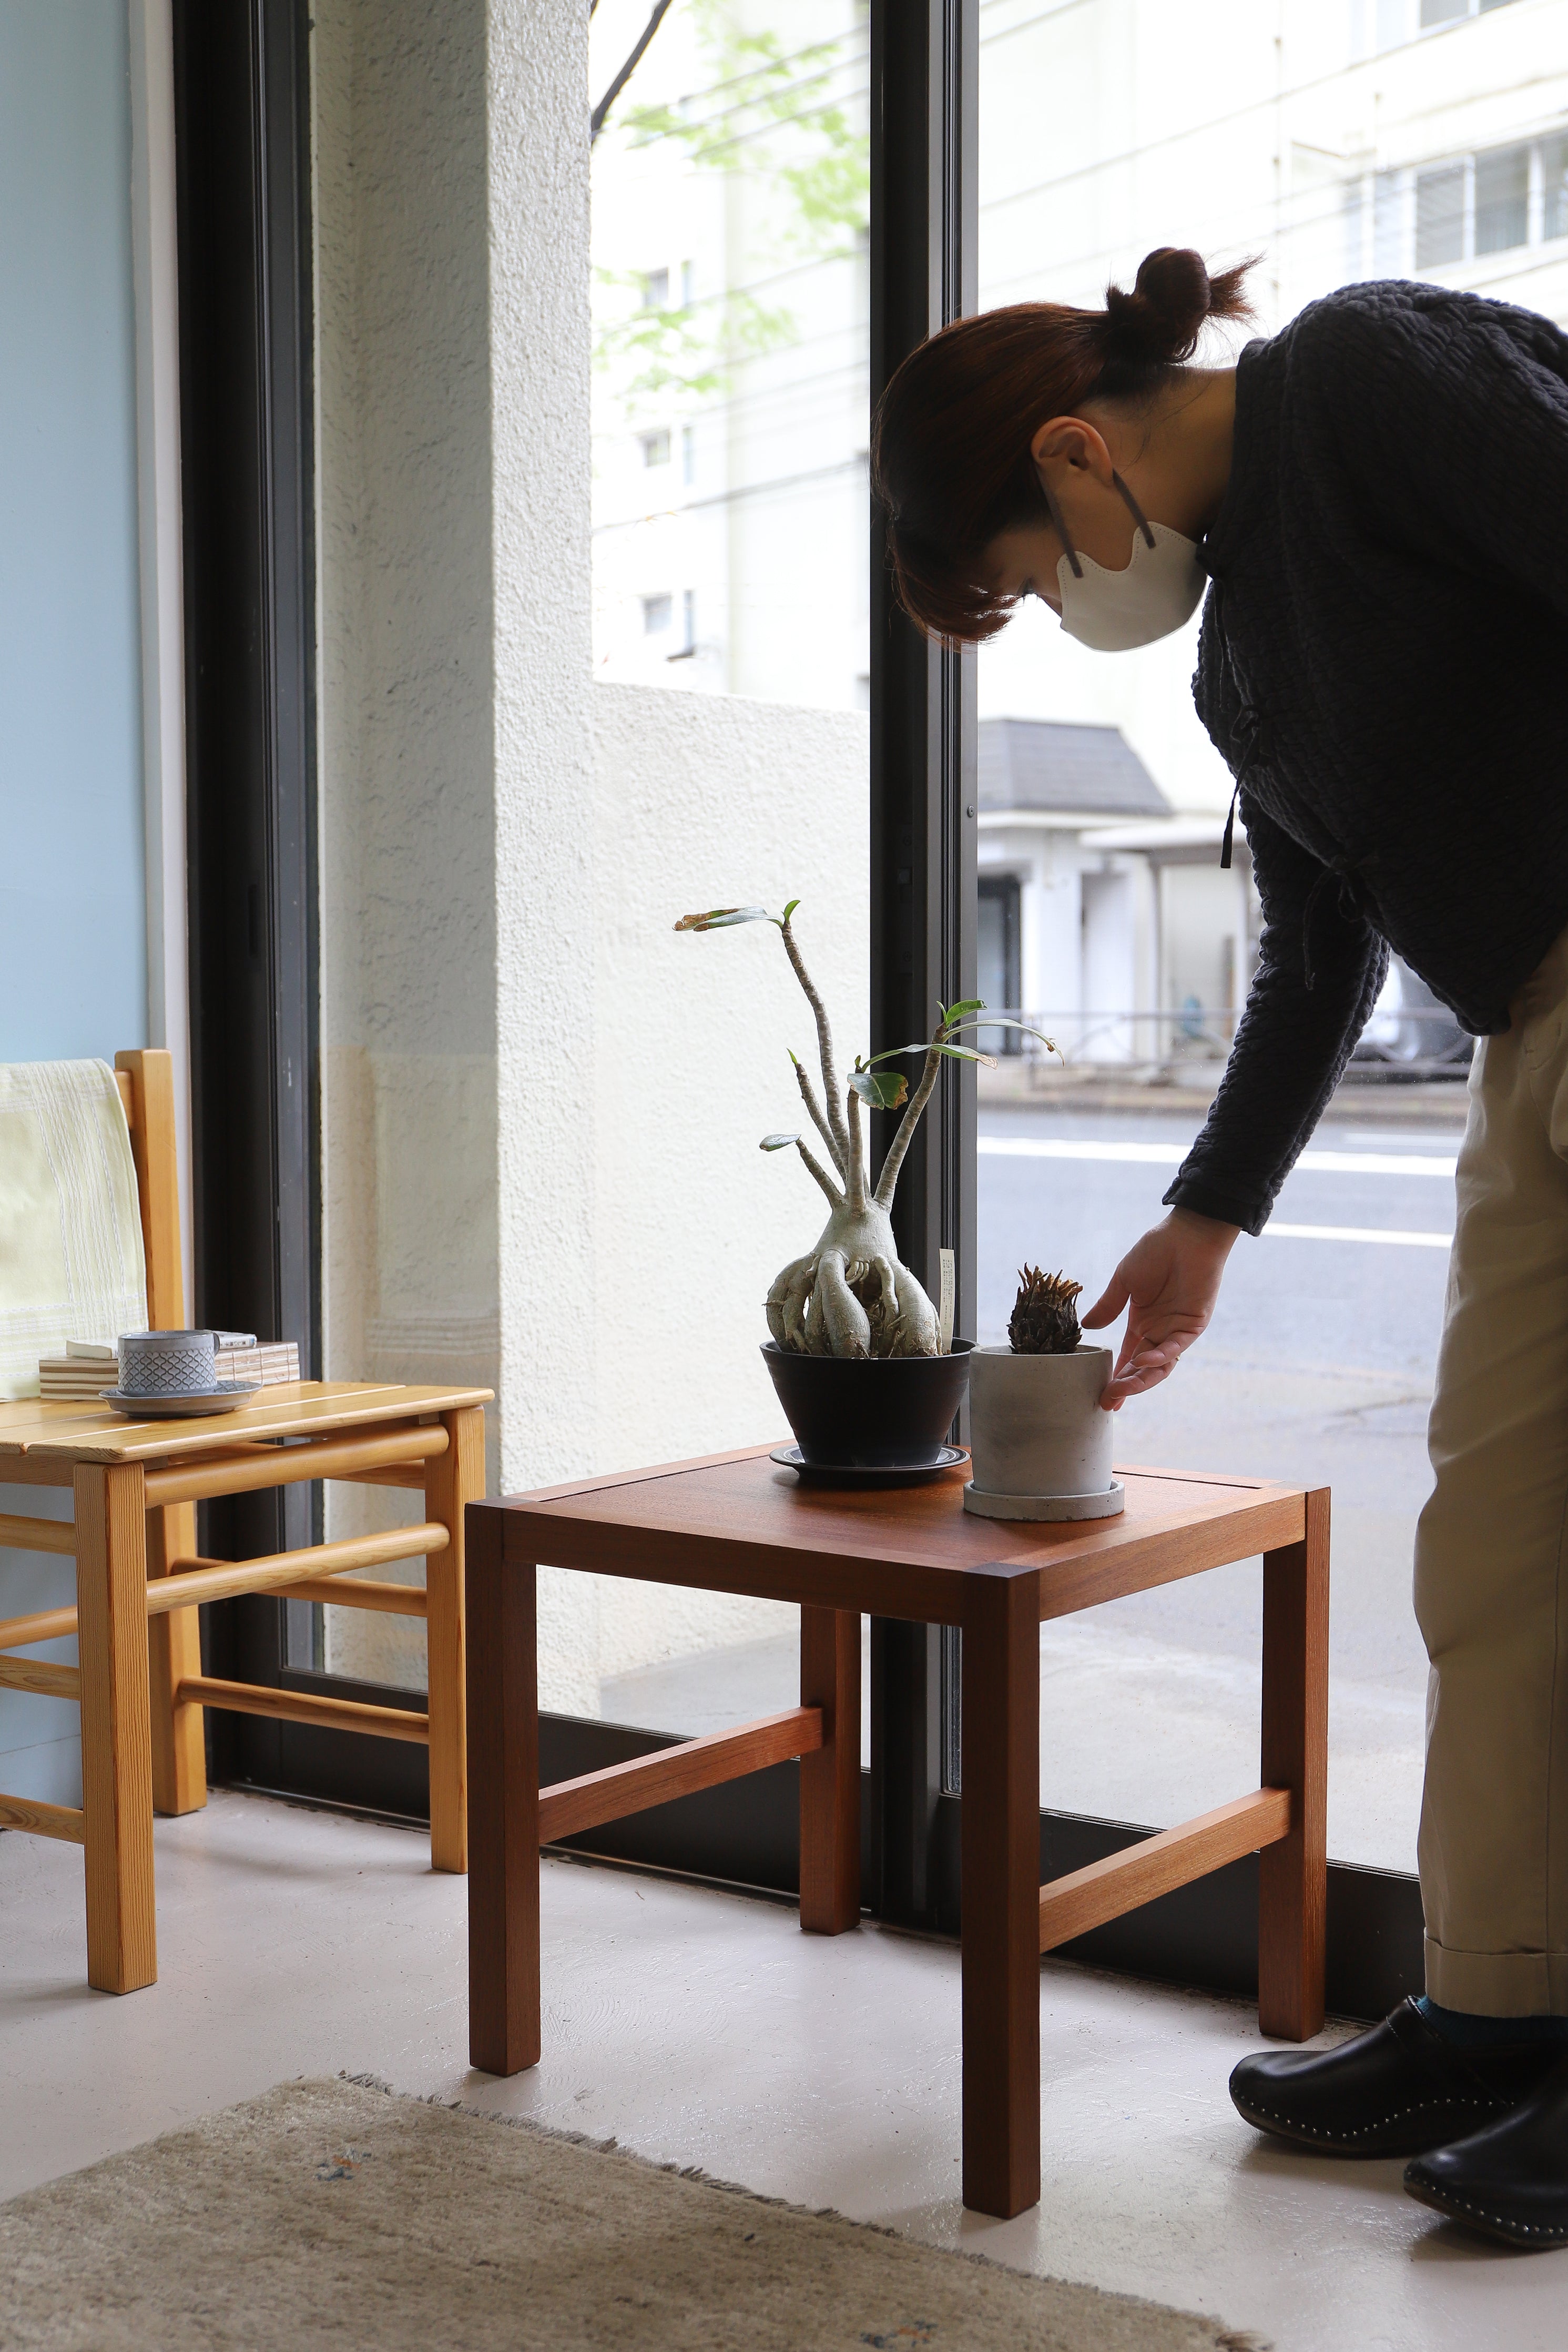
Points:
[[1038, 763]]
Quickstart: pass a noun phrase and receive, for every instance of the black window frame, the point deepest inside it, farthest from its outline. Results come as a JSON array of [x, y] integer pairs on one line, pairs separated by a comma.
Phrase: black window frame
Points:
[[242, 119]]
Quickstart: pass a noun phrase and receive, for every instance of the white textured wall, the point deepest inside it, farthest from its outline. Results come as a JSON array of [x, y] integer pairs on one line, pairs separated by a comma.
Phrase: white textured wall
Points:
[[541, 1106], [706, 800], [407, 787]]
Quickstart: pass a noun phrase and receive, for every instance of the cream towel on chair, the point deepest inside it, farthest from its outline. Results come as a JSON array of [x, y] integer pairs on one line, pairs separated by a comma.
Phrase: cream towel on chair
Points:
[[71, 1261]]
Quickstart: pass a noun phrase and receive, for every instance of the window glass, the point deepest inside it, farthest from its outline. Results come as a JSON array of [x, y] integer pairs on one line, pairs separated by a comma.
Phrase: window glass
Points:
[[1502, 200], [1554, 187], [1337, 146], [728, 292], [730, 192], [1439, 216]]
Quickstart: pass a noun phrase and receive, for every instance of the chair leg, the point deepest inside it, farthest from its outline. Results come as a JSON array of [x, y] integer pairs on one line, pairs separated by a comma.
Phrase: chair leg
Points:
[[830, 1775], [452, 1481], [504, 1805], [1292, 1887], [174, 1653], [116, 1728], [1000, 1864]]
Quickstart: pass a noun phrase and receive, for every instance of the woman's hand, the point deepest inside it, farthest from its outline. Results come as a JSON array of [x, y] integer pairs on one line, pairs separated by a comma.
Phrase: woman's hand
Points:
[[1170, 1280]]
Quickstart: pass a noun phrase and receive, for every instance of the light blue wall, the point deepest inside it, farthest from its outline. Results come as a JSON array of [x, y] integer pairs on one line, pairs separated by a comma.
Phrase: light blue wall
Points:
[[73, 949], [72, 917]]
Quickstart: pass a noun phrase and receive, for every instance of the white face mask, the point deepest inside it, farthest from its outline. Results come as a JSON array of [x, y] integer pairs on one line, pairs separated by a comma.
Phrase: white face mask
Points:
[[1113, 610]]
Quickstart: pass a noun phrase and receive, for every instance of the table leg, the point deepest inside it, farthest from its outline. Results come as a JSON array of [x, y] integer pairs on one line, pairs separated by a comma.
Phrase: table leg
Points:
[[1000, 1850], [175, 1651], [1292, 1886], [503, 1803], [116, 1726], [830, 1775], [452, 1481]]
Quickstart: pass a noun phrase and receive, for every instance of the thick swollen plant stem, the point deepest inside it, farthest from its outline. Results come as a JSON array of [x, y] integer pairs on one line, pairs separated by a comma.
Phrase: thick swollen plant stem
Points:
[[852, 1296]]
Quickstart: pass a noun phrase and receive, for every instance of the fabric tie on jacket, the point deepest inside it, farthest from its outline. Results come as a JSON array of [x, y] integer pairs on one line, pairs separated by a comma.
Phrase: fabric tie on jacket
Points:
[[1351, 905]]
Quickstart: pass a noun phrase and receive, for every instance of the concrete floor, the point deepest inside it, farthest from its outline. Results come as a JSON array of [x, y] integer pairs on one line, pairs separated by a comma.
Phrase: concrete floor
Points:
[[704, 2029]]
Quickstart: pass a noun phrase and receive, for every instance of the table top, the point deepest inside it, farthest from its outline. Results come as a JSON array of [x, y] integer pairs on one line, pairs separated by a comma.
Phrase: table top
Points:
[[94, 1433], [740, 1523]]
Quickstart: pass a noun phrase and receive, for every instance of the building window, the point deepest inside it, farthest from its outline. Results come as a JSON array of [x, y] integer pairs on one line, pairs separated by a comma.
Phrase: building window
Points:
[[1459, 210], [1502, 199], [688, 284], [1439, 216], [656, 447], [1554, 187], [686, 650], [655, 289], [657, 614], [996, 959], [688, 453], [1451, 12]]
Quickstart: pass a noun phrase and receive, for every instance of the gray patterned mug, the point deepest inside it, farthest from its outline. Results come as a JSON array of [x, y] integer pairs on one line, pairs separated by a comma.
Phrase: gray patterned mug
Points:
[[172, 1363]]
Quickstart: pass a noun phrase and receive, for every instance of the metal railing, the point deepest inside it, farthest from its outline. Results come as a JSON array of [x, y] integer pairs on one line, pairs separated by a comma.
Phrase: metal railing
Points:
[[1407, 1043]]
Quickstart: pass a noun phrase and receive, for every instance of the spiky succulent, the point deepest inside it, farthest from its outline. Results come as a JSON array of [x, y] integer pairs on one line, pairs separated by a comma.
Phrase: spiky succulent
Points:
[[1044, 1322]]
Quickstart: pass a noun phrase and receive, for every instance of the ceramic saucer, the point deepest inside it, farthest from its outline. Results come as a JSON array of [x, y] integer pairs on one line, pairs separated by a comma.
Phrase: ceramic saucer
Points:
[[223, 1398], [847, 1474]]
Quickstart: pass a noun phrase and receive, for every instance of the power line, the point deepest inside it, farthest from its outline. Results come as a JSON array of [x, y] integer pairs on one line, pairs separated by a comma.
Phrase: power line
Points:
[[791, 57], [853, 59], [730, 498], [1239, 114]]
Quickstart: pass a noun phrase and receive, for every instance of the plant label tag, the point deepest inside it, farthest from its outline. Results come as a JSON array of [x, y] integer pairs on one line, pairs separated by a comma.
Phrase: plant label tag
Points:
[[945, 1312]]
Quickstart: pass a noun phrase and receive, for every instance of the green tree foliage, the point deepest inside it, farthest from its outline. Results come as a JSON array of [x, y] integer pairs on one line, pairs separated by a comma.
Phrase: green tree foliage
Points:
[[777, 117]]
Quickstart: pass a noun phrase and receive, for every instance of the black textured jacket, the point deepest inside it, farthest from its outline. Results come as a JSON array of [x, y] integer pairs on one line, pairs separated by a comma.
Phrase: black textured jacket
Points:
[[1383, 665]]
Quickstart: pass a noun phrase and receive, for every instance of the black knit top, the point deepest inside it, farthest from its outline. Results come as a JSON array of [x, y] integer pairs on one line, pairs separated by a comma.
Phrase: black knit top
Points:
[[1382, 666]]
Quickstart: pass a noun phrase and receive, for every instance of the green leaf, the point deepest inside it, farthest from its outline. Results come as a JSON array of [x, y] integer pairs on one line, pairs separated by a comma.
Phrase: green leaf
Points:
[[777, 1142], [720, 918], [883, 1089], [790, 908], [956, 1012]]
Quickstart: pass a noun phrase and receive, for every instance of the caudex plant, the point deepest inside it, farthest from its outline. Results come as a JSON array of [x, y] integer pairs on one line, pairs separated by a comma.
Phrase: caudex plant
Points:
[[1044, 1318], [851, 1295]]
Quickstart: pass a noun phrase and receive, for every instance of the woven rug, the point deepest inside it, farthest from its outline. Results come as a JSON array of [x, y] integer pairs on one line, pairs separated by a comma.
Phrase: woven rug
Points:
[[334, 2214]]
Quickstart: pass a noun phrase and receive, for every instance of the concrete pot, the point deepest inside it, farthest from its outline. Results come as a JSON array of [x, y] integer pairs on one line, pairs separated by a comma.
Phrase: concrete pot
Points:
[[1041, 1444]]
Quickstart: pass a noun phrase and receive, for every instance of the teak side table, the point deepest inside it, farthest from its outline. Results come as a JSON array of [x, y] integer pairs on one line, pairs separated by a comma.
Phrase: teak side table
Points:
[[738, 1523]]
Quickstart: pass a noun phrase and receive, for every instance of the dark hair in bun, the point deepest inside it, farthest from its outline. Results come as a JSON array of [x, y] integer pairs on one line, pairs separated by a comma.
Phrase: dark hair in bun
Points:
[[950, 442], [1158, 323]]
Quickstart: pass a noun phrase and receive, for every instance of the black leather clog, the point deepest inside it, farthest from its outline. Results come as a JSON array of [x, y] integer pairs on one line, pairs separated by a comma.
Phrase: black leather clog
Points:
[[1396, 2090], [1509, 2180]]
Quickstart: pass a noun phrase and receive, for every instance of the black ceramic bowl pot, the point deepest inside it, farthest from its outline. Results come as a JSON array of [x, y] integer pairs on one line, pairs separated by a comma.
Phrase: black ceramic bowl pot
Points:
[[864, 1414]]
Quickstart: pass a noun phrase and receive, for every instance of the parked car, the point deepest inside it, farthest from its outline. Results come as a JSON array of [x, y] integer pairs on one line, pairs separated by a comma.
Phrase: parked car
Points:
[[1410, 1028]]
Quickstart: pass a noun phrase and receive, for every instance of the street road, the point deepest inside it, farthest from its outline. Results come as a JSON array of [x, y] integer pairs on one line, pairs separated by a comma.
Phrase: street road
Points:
[[1317, 1368]]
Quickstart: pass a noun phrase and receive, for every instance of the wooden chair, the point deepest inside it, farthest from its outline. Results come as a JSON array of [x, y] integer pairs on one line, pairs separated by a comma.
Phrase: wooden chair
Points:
[[444, 1459]]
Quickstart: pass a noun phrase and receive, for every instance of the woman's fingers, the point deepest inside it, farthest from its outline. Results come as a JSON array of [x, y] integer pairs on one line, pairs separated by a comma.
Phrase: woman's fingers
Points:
[[1143, 1364], [1111, 1301]]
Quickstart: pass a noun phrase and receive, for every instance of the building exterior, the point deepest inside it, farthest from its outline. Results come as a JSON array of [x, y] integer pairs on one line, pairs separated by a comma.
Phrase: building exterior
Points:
[[1104, 916], [1335, 139]]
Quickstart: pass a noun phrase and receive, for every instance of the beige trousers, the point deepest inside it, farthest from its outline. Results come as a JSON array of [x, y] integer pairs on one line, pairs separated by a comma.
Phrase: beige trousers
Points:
[[1491, 1550]]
